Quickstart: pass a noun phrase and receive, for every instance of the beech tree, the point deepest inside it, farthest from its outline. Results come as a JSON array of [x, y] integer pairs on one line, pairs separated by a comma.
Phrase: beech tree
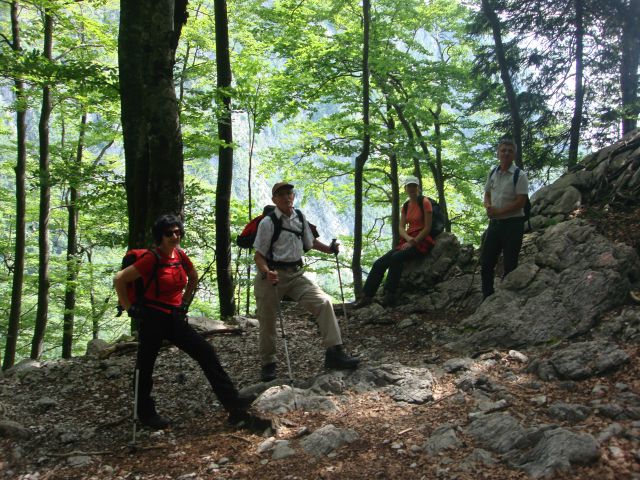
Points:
[[361, 159], [154, 171], [42, 312], [225, 163], [20, 214]]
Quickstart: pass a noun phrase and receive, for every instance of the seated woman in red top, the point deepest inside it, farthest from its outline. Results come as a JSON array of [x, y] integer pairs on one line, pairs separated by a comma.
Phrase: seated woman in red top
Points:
[[162, 315], [415, 225]]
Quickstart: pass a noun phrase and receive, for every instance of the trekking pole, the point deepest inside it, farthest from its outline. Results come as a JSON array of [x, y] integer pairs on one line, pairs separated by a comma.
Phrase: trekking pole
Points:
[[344, 306], [135, 405], [286, 349]]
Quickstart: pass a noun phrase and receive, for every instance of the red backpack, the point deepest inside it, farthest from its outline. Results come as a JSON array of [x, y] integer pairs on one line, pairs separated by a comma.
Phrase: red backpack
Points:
[[137, 288], [248, 234]]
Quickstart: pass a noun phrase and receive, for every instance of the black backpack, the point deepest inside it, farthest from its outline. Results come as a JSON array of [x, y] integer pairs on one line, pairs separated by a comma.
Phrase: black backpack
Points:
[[437, 218], [248, 234], [527, 205]]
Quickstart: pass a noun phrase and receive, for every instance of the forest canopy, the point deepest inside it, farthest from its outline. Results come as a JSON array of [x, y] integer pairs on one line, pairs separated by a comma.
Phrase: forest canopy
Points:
[[342, 98]]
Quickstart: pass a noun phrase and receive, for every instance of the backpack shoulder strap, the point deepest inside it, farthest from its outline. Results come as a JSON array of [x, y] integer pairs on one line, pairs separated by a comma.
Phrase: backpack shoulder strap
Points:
[[516, 174], [299, 212], [277, 229], [183, 258], [154, 272], [420, 201]]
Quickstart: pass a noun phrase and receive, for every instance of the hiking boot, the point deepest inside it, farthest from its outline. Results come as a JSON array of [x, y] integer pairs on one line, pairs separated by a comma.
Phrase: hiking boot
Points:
[[155, 422], [363, 302], [244, 401], [268, 372], [336, 359], [247, 421]]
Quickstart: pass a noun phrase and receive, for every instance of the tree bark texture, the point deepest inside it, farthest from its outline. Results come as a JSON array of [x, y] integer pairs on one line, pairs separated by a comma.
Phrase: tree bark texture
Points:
[[225, 163], [154, 176], [73, 259], [505, 75], [20, 169], [42, 310], [629, 66], [576, 120], [362, 158]]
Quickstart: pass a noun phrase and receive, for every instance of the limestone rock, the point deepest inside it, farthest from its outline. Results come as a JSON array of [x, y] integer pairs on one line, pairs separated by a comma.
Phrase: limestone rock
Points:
[[556, 451], [326, 439]]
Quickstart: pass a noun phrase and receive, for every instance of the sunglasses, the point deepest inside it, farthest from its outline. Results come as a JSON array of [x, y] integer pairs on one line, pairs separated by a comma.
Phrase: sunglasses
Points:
[[170, 233]]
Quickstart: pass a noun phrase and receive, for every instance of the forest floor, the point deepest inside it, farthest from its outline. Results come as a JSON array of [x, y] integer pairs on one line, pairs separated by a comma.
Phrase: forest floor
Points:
[[200, 445]]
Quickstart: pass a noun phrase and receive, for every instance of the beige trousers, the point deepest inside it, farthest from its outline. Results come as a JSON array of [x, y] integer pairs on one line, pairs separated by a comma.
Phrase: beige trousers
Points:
[[298, 287]]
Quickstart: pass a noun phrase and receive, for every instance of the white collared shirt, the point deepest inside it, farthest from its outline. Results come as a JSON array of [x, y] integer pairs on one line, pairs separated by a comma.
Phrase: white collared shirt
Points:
[[288, 247], [500, 185]]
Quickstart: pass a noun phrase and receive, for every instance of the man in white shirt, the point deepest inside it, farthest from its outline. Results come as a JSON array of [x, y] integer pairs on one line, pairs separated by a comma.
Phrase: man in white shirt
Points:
[[504, 201], [280, 273]]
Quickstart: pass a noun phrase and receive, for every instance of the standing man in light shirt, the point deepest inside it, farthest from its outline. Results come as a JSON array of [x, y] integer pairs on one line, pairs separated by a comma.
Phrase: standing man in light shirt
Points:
[[505, 195], [280, 273]]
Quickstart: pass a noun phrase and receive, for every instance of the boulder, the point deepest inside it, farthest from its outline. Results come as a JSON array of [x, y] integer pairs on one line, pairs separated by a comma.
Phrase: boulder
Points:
[[556, 451], [96, 346], [571, 278], [326, 439]]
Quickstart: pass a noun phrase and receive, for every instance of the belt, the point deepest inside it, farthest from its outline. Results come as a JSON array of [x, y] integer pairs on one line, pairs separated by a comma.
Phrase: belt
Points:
[[286, 266], [505, 221]]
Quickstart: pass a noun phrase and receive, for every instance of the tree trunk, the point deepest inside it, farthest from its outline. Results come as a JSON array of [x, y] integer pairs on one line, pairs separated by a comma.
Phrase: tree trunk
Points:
[[18, 264], [42, 310], [414, 131], [393, 173], [516, 121], [250, 202], [154, 177], [73, 259], [442, 199], [96, 313], [225, 163], [629, 66], [362, 158], [576, 120], [417, 170]]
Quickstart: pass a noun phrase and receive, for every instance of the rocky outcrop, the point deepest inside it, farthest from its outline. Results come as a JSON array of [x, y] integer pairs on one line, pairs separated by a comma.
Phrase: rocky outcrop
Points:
[[445, 279], [609, 175], [570, 276]]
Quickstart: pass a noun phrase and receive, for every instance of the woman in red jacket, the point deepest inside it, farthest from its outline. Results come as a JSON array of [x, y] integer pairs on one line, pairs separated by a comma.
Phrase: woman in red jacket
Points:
[[162, 315]]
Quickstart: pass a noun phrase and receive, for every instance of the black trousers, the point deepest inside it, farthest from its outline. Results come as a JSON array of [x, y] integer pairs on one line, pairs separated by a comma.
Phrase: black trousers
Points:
[[158, 326], [501, 236], [394, 261]]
